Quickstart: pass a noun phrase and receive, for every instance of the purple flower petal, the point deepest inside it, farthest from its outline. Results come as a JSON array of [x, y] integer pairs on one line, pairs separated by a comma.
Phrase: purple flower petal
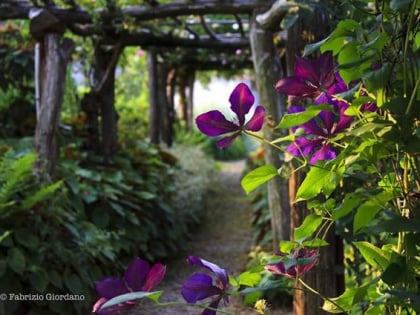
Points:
[[110, 287], [214, 123], [303, 145], [154, 277], [135, 274], [241, 101], [344, 122], [98, 304], [220, 273], [199, 287], [323, 154], [328, 118], [325, 66], [227, 141], [305, 69], [257, 119], [295, 86]]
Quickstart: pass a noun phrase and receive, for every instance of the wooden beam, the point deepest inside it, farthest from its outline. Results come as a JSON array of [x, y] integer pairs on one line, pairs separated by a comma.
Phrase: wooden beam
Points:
[[179, 8], [148, 39], [272, 18]]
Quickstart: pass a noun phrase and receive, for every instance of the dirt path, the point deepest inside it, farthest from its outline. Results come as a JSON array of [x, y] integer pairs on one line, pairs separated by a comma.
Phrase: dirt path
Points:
[[224, 237]]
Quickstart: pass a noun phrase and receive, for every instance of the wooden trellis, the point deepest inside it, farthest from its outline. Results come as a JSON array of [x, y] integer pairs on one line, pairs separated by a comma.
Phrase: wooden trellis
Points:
[[181, 37]]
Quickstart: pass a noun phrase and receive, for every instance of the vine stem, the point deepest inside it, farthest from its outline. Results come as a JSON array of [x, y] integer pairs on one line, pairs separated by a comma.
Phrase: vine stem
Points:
[[265, 141], [312, 290]]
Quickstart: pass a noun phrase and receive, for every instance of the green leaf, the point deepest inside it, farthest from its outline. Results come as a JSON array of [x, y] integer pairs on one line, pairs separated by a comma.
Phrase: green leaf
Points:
[[4, 236], [3, 267], [73, 283], [400, 5], [295, 119], [287, 246], [154, 296], [26, 238], [350, 202], [346, 300], [319, 180], [249, 279], [16, 260], [374, 256], [39, 279], [367, 211], [55, 278], [310, 48], [316, 242], [41, 195], [308, 227], [258, 177]]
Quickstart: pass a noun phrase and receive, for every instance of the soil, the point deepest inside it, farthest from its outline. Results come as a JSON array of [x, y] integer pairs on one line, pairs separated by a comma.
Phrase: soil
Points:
[[224, 238]]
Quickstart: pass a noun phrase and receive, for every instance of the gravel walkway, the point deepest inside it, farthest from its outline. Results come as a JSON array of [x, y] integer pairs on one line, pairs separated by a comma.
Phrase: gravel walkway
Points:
[[224, 237]]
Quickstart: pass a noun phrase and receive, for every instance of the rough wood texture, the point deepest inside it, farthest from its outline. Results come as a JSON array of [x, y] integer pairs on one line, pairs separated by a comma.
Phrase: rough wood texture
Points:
[[143, 13], [154, 111], [267, 71], [272, 18], [54, 59], [104, 89]]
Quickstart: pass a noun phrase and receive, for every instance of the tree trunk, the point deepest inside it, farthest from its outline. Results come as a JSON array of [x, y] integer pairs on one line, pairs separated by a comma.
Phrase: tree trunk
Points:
[[54, 58], [104, 73], [170, 95], [154, 111], [162, 102], [268, 70], [190, 98]]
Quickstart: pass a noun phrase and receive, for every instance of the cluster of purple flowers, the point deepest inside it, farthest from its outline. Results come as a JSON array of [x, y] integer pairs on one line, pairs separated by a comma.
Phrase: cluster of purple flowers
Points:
[[315, 80], [212, 286], [318, 81]]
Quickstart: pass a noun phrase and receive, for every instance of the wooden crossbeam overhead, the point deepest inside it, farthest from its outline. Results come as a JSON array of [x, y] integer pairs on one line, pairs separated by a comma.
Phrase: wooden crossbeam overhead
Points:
[[20, 10]]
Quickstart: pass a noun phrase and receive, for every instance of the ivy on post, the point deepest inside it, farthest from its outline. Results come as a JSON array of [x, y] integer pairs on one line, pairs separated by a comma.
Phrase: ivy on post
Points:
[[53, 54], [324, 278]]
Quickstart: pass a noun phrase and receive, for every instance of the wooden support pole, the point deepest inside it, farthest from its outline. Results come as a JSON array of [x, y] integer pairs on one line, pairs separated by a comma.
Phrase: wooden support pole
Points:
[[267, 71], [54, 57]]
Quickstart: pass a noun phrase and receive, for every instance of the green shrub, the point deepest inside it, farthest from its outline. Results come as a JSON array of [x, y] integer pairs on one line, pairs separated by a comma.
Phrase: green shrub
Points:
[[40, 243]]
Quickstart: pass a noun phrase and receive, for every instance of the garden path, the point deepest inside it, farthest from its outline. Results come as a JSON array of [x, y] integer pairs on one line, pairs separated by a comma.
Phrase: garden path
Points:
[[224, 237]]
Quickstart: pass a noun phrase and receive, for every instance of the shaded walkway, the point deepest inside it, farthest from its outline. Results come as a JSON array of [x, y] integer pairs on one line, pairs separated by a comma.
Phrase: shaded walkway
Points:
[[224, 237]]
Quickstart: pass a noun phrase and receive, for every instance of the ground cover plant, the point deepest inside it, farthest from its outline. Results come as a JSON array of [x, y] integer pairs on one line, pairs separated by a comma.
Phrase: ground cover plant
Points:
[[354, 132]]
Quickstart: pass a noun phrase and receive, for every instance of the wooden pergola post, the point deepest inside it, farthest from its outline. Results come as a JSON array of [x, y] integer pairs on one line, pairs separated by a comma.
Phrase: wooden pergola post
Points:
[[268, 71], [52, 57]]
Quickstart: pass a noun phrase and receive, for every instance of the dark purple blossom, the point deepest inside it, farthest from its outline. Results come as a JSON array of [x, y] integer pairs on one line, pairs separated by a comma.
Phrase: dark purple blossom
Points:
[[214, 123], [138, 276], [311, 79], [201, 286], [318, 132], [296, 264]]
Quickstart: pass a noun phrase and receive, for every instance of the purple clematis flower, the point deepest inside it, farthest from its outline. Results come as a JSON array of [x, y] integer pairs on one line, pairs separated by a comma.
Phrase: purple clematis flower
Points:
[[318, 132], [311, 79], [138, 276], [296, 264], [201, 286], [214, 123]]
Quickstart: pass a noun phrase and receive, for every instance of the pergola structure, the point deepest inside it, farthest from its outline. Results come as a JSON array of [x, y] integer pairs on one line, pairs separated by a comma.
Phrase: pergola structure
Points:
[[180, 37]]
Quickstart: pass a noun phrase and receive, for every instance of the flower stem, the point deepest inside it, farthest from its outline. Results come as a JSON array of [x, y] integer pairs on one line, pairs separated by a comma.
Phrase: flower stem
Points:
[[265, 141], [312, 290]]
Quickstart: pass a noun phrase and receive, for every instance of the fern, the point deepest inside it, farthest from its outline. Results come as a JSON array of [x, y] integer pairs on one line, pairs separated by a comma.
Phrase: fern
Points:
[[14, 175], [41, 195]]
